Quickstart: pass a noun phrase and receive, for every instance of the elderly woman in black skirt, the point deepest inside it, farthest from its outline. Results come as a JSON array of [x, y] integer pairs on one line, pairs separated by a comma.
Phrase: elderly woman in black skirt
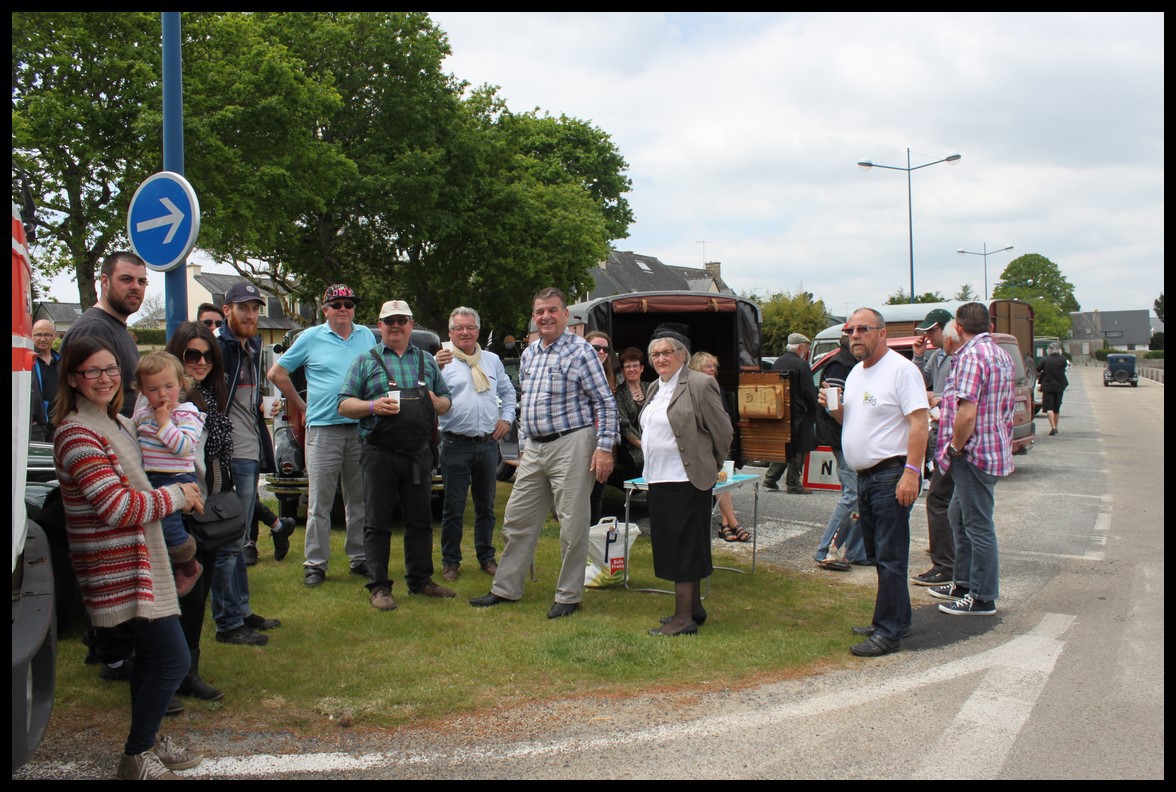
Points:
[[686, 435]]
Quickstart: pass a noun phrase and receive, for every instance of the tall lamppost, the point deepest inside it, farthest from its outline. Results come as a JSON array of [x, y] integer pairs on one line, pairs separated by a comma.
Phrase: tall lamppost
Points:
[[985, 254], [951, 159]]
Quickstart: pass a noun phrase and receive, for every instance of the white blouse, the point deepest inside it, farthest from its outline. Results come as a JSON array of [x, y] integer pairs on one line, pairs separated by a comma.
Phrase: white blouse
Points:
[[663, 460]]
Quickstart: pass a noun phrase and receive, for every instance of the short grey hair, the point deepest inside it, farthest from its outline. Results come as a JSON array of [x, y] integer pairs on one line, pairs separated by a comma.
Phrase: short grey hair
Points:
[[1055, 348], [462, 310], [675, 344], [952, 330]]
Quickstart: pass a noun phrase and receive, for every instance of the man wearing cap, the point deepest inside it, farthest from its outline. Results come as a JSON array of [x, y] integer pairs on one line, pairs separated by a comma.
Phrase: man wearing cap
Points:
[[804, 410], [253, 452], [568, 428], [935, 367], [396, 391], [483, 410], [332, 440], [883, 415]]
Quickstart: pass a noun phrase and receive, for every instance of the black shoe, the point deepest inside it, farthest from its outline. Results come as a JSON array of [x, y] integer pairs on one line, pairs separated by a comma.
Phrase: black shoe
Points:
[[689, 629], [699, 618], [489, 600], [875, 646], [561, 609], [868, 630], [242, 636], [313, 577], [360, 569], [174, 707], [948, 591], [281, 537], [799, 491], [255, 622], [249, 553], [932, 577], [193, 685], [771, 485], [112, 674], [835, 566]]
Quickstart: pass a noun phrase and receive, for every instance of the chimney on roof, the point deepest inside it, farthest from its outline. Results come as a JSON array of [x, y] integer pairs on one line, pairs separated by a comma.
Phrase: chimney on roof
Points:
[[714, 268]]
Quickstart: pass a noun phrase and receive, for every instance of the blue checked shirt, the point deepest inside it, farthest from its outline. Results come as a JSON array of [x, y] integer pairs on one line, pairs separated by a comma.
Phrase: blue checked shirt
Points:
[[564, 388]]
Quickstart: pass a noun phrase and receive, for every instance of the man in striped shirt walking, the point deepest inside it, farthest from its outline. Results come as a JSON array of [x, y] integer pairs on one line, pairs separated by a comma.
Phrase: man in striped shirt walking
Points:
[[568, 428]]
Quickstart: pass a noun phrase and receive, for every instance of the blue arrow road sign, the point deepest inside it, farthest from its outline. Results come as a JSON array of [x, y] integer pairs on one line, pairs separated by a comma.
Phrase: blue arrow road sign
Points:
[[163, 220]]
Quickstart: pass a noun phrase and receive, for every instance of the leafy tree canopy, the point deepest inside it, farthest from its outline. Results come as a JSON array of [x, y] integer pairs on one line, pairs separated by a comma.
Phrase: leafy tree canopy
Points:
[[1033, 275], [1158, 305], [902, 297], [784, 313]]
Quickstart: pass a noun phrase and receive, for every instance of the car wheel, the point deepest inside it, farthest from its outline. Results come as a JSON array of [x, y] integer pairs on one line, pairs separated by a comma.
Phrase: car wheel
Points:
[[1122, 376], [1135, 384], [1106, 383], [505, 472]]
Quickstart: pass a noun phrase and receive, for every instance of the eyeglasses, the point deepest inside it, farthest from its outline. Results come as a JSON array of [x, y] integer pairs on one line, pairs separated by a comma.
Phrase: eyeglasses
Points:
[[600, 349], [859, 329], [193, 356], [396, 320], [466, 329], [213, 322], [660, 354], [339, 306], [44, 335], [632, 366], [95, 373]]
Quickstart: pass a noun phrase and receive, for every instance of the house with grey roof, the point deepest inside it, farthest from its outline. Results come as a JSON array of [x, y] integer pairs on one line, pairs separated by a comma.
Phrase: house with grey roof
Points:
[[625, 271], [1123, 330]]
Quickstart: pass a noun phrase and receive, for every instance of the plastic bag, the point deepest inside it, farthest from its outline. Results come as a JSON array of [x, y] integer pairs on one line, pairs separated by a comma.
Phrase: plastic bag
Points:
[[607, 552]]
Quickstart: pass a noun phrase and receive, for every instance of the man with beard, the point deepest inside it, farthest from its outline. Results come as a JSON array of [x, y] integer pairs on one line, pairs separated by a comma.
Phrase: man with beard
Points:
[[123, 286], [884, 437], [253, 451]]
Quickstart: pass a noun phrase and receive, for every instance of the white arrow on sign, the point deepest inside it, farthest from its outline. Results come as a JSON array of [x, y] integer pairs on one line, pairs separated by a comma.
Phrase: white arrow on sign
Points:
[[173, 218]]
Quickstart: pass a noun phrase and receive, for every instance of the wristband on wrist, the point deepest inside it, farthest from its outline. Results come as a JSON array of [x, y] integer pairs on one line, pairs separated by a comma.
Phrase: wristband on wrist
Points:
[[909, 466], [372, 407]]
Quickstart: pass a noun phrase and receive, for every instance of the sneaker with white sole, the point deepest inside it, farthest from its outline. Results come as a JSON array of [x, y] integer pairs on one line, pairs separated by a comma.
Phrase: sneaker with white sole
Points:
[[143, 767], [968, 605], [948, 591], [175, 757]]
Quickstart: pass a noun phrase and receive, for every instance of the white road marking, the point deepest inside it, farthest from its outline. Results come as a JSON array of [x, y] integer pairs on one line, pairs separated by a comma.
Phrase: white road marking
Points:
[[1014, 674]]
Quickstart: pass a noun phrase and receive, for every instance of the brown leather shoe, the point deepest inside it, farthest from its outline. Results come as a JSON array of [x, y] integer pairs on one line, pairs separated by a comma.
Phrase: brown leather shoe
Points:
[[431, 589], [490, 567], [451, 572], [382, 598]]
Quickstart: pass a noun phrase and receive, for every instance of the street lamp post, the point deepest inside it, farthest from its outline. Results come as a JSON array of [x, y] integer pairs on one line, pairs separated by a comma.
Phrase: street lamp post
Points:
[[951, 159], [985, 254]]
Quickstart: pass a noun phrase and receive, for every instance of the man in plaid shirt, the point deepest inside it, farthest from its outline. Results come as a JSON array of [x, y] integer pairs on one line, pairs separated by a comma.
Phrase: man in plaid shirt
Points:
[[568, 427], [975, 442]]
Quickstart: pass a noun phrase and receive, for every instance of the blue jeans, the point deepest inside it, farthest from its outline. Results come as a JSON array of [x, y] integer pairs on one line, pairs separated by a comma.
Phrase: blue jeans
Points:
[[977, 565], [174, 533], [886, 528], [841, 523], [467, 464], [230, 585], [161, 663]]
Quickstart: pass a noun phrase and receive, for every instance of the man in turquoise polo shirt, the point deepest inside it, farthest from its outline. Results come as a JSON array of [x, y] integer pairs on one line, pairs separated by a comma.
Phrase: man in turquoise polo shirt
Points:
[[332, 440]]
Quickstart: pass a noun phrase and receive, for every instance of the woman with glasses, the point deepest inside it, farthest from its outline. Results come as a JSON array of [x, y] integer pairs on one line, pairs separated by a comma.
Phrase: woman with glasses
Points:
[[630, 395], [194, 344], [116, 545], [603, 346]]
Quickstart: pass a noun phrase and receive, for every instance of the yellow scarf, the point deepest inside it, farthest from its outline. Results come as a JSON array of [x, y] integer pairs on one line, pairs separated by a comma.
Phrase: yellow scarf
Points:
[[474, 361]]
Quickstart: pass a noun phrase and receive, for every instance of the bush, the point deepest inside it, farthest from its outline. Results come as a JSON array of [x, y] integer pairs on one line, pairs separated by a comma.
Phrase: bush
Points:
[[1155, 354], [1101, 354], [150, 336]]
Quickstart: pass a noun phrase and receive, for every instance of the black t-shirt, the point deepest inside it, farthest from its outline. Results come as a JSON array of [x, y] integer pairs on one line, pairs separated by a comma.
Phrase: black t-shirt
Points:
[[96, 322]]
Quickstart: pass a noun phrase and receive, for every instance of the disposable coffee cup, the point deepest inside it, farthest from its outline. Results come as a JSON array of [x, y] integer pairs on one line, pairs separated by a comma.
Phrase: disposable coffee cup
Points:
[[394, 396], [267, 405], [729, 469], [831, 398], [447, 345]]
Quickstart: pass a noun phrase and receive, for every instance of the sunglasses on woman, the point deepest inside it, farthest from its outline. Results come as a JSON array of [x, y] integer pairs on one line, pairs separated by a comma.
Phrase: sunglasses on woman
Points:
[[600, 350], [193, 356]]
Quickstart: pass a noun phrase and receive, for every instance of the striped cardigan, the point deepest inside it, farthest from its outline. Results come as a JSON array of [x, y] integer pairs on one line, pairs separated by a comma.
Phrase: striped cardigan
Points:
[[112, 519]]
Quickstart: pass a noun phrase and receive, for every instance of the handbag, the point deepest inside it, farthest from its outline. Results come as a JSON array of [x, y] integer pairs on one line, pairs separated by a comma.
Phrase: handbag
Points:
[[222, 523]]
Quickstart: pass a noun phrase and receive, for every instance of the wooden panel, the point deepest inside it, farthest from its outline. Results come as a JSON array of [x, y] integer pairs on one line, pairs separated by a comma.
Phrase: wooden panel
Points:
[[765, 416]]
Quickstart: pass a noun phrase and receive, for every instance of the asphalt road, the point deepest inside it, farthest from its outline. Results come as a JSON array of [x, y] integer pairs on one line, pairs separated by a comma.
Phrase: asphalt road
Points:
[[1067, 681]]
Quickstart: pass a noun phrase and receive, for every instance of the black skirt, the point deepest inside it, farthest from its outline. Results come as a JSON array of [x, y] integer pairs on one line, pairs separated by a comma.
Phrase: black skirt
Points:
[[679, 521]]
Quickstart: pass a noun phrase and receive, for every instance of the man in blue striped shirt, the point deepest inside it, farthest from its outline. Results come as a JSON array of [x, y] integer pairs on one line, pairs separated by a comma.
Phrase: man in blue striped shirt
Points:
[[568, 429]]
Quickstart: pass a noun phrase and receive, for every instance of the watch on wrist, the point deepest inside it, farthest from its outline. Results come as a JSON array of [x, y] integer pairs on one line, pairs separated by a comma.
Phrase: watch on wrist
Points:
[[955, 452]]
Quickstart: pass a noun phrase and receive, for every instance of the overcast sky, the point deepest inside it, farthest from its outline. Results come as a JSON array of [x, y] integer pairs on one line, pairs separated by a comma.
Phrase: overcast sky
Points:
[[745, 130]]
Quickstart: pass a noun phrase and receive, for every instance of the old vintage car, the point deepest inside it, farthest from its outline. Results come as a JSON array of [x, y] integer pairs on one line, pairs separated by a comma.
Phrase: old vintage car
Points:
[[1120, 370]]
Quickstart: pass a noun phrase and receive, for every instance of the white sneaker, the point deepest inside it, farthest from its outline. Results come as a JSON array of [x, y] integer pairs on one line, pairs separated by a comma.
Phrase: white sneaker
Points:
[[175, 757], [143, 767]]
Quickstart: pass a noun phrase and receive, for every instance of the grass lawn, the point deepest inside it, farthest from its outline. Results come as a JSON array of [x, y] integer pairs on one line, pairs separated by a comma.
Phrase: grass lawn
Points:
[[433, 658]]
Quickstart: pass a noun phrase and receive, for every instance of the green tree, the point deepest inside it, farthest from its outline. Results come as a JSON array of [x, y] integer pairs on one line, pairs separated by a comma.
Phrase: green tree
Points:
[[966, 294], [85, 109], [1033, 275], [902, 297], [1158, 306], [784, 313], [1048, 319]]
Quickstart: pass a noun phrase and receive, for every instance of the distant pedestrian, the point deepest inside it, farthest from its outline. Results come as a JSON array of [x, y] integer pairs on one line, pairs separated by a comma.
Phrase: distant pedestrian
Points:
[[1052, 376], [804, 410], [45, 372]]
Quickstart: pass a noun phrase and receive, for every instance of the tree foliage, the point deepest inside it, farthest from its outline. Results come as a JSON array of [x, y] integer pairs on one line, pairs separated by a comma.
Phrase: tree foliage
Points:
[[966, 294], [1033, 275], [903, 297], [1158, 306], [784, 313], [324, 146]]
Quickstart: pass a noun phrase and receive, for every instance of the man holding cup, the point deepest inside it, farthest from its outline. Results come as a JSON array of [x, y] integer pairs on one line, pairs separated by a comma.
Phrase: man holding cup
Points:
[[397, 454], [332, 440]]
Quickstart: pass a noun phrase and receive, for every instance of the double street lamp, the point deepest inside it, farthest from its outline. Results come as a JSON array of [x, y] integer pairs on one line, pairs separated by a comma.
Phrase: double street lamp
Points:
[[985, 254], [951, 159]]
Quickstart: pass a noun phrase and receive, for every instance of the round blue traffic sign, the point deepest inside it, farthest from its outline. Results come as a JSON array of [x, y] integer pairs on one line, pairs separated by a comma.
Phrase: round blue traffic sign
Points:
[[163, 220]]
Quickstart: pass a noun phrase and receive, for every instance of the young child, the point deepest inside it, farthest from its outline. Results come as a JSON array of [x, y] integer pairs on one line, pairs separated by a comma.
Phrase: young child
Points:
[[169, 434]]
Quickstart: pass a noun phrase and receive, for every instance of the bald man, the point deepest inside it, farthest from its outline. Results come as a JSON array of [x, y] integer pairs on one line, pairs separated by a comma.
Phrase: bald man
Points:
[[44, 380]]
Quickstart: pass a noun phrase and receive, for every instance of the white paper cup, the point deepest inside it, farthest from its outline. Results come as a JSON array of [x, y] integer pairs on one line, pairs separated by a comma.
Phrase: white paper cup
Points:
[[831, 398], [447, 345], [394, 396], [267, 405], [729, 469]]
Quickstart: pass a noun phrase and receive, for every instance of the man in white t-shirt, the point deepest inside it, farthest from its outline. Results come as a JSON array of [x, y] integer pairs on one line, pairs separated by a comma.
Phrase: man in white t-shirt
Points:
[[883, 414]]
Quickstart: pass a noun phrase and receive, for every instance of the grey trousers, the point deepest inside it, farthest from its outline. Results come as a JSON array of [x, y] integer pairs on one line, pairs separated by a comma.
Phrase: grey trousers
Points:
[[332, 451], [550, 473]]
